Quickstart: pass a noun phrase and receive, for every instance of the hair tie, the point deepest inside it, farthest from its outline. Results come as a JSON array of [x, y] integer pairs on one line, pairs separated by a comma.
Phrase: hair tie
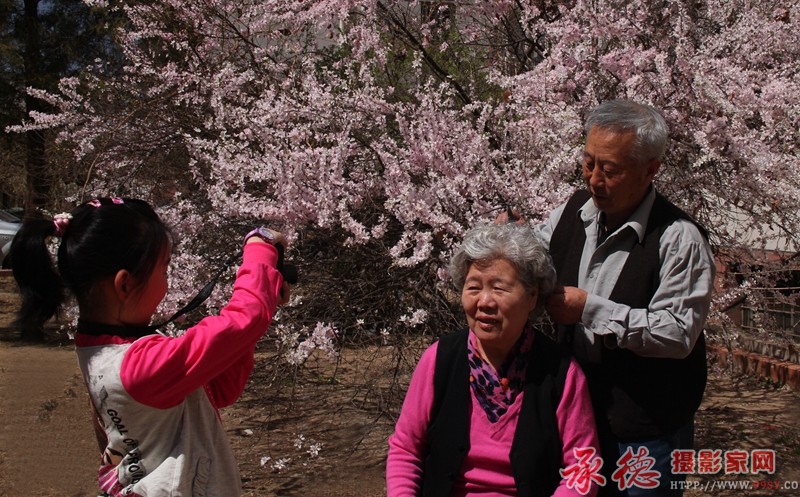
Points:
[[61, 221]]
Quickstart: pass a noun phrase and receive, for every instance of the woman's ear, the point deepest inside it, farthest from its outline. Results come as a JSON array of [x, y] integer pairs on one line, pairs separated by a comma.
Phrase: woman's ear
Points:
[[124, 284], [534, 296]]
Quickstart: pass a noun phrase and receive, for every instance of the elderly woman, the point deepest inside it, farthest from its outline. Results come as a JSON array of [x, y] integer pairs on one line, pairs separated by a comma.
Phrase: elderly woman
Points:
[[499, 409]]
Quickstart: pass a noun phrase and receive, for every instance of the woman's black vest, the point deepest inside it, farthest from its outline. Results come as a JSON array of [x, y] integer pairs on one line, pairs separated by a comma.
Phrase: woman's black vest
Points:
[[642, 398], [536, 451]]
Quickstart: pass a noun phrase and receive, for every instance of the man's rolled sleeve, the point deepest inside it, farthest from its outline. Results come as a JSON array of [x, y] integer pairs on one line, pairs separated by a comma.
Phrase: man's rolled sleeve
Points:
[[604, 317]]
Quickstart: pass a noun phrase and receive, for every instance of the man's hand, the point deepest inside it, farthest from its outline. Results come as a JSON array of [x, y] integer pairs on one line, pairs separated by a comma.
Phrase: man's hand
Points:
[[565, 305], [509, 216]]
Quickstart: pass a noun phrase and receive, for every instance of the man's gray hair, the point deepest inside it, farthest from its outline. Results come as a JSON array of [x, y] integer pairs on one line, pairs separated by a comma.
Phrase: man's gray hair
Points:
[[515, 243], [649, 127]]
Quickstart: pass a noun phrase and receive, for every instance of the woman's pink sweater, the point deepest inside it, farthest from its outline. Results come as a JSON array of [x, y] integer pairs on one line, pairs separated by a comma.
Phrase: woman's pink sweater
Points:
[[486, 469]]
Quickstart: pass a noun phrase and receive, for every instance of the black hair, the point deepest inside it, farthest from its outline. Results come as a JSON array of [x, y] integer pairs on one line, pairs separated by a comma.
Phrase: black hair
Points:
[[103, 236]]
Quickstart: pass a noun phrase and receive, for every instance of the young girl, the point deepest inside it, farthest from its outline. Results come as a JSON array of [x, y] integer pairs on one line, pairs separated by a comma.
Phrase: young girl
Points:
[[155, 397]]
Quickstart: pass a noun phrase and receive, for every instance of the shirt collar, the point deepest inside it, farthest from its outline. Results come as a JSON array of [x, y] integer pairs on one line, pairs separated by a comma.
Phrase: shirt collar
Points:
[[97, 329], [638, 220]]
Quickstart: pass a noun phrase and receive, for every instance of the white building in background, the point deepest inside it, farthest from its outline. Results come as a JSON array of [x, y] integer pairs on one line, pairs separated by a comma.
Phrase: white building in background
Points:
[[761, 249]]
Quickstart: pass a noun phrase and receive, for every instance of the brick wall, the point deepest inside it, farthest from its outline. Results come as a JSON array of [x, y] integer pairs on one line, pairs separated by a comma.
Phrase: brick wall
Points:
[[777, 370]]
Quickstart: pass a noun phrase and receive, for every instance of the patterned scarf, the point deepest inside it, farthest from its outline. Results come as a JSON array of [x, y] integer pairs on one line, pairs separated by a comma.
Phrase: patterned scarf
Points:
[[496, 390]]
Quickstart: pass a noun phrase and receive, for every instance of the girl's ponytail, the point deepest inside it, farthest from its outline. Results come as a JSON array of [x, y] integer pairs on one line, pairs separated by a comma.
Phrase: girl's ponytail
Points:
[[40, 284], [97, 239]]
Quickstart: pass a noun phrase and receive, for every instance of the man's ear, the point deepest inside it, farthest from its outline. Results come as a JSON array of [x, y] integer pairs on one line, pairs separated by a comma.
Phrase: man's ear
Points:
[[124, 284], [652, 168]]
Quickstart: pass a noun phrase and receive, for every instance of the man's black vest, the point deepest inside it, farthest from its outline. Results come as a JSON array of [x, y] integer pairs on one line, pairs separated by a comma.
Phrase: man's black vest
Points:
[[642, 398], [536, 451]]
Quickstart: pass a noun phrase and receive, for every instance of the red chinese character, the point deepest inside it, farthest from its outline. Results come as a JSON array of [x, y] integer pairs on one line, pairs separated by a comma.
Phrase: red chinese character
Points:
[[581, 474], [709, 462], [736, 462], [682, 461], [763, 461], [636, 470]]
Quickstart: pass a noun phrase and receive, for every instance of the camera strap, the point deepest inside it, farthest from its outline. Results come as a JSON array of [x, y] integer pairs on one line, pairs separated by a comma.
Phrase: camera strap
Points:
[[288, 271]]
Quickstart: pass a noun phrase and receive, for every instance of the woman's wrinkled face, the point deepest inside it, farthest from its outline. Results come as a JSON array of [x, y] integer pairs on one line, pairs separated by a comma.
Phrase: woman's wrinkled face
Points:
[[497, 304]]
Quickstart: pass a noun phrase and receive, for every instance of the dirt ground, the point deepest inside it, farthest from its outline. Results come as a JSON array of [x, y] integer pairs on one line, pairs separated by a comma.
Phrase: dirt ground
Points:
[[323, 436]]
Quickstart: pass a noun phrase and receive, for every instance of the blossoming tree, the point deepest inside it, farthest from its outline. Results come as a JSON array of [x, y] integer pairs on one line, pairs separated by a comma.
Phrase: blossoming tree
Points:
[[374, 133]]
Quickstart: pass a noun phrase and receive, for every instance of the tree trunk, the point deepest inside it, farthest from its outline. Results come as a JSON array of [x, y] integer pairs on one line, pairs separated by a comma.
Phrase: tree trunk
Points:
[[37, 183]]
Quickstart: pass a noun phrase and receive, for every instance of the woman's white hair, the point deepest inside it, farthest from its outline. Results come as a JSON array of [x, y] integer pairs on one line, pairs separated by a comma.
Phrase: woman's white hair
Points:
[[518, 244]]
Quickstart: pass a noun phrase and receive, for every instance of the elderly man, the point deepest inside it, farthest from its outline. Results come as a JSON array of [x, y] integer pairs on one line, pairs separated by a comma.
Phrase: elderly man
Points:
[[637, 276]]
